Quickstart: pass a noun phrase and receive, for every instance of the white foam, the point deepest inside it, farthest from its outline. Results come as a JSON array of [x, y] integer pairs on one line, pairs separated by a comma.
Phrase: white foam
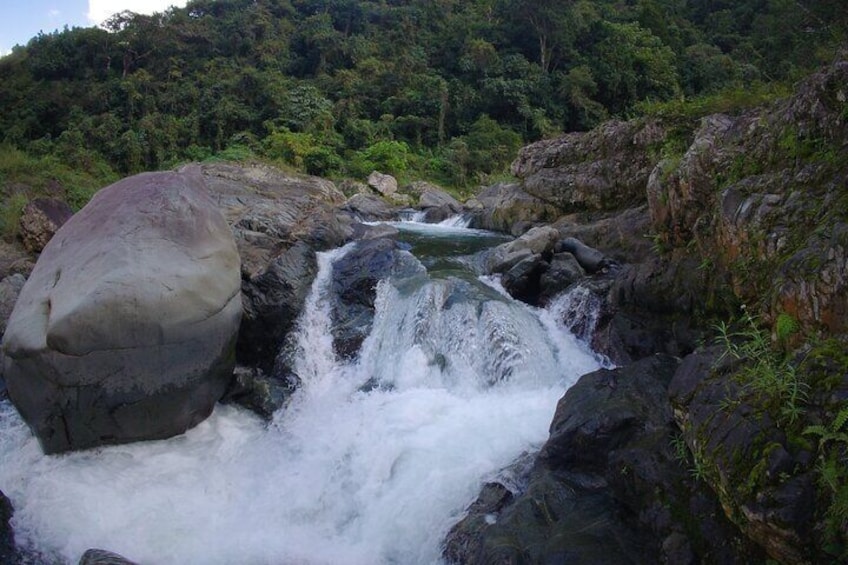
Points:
[[342, 476]]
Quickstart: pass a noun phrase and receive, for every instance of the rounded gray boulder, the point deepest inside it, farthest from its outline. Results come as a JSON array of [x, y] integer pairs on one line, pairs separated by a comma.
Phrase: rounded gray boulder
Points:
[[126, 328]]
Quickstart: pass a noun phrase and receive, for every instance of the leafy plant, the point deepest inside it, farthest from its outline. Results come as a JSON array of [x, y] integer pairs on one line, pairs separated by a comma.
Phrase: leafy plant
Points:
[[767, 373], [833, 474]]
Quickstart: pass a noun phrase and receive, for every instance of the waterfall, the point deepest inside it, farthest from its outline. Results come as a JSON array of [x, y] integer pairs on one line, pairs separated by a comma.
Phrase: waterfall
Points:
[[579, 309], [371, 462]]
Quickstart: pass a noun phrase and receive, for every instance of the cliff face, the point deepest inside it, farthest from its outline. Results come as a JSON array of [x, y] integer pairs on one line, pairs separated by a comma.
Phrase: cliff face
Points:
[[748, 215], [760, 199], [764, 197]]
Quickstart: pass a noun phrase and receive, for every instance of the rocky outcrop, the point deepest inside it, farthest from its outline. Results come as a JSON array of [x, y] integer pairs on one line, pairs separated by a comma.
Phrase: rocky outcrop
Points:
[[607, 487], [39, 221], [508, 208], [279, 221], [764, 479], [605, 169], [761, 197], [126, 328]]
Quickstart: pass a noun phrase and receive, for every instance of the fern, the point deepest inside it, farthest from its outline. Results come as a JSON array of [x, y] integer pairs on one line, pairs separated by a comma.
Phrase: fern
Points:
[[832, 433]]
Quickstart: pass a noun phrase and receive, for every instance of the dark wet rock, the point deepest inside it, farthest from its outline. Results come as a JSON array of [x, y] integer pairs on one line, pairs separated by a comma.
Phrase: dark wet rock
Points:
[[507, 208], [589, 258], [438, 205], [8, 554], [523, 280], [273, 299], [652, 307], [563, 271], [354, 288], [607, 487], [126, 327], [103, 557], [258, 392], [764, 481], [39, 221]]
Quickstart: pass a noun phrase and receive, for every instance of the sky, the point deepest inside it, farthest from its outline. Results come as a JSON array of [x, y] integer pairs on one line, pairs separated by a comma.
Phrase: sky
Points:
[[21, 21]]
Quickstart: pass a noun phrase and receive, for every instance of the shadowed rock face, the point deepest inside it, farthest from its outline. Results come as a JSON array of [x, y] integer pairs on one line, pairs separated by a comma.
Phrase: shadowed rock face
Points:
[[126, 328]]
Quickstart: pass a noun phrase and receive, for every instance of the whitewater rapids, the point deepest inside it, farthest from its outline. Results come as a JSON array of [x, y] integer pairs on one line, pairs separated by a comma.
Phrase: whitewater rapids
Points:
[[370, 463]]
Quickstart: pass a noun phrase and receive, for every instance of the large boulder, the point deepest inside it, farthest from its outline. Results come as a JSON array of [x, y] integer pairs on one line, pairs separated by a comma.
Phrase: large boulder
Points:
[[382, 183], [126, 328], [506, 207], [538, 241], [604, 169], [437, 204], [370, 207]]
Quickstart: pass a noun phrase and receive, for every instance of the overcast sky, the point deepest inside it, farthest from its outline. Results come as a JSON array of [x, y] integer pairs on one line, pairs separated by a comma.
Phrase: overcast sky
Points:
[[21, 21]]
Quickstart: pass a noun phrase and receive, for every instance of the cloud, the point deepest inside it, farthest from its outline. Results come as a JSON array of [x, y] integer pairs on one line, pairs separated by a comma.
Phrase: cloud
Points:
[[4, 52], [101, 10], [53, 13]]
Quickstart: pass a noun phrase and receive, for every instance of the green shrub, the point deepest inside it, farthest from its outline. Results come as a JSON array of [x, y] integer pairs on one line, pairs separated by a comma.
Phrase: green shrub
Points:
[[10, 215]]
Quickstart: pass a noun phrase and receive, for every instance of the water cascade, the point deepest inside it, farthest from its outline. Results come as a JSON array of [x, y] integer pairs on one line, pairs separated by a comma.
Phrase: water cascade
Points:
[[371, 462]]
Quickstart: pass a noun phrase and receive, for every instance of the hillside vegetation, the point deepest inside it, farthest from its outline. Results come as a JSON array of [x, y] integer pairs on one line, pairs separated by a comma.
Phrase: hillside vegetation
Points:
[[441, 89]]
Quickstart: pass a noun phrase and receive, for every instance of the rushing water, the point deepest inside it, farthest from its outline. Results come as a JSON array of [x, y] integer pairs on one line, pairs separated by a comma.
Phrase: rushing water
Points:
[[371, 462]]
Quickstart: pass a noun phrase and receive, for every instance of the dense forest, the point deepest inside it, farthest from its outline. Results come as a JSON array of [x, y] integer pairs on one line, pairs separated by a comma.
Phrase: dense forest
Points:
[[442, 89]]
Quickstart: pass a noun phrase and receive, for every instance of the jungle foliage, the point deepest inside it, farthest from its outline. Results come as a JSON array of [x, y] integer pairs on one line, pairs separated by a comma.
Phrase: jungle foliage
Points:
[[442, 89]]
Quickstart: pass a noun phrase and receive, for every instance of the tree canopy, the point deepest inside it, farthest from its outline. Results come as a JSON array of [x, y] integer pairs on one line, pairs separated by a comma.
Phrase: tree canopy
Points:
[[328, 86]]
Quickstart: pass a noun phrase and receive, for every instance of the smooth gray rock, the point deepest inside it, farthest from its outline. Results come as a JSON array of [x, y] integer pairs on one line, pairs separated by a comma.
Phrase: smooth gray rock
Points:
[[537, 241], [435, 198], [126, 328], [589, 258], [384, 184]]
